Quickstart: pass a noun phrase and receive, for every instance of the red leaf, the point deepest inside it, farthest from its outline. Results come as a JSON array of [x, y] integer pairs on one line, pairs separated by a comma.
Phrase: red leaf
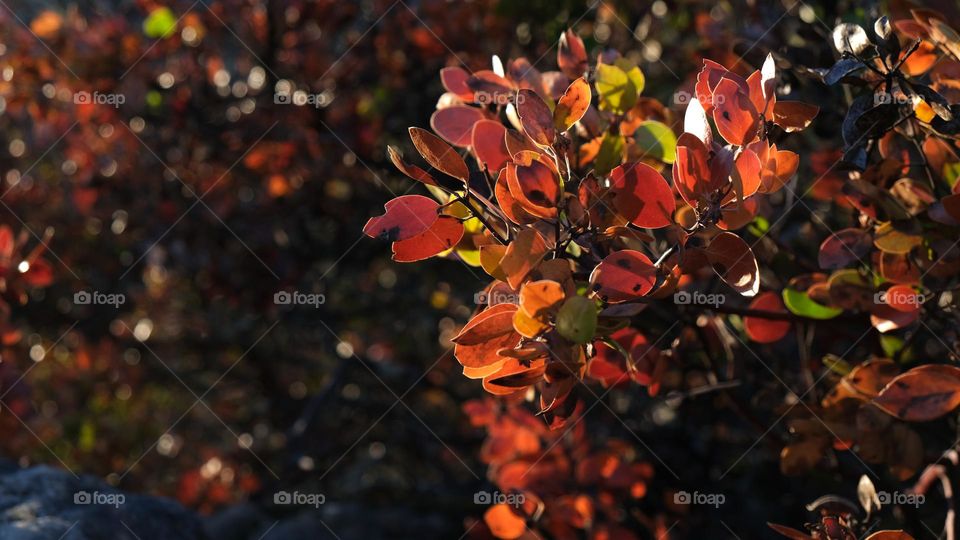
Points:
[[764, 330], [708, 79], [844, 247], [489, 144], [536, 118], [510, 207], [412, 171], [405, 217], [443, 235], [488, 87], [733, 260], [440, 155], [454, 80], [572, 55], [455, 124], [691, 169], [624, 275], [734, 114], [642, 195], [903, 298]]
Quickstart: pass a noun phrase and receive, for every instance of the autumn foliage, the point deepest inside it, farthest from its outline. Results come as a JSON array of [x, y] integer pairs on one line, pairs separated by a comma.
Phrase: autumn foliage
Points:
[[591, 207]]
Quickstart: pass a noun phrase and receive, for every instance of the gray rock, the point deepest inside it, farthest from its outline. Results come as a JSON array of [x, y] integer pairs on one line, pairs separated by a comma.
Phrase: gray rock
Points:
[[42, 503]]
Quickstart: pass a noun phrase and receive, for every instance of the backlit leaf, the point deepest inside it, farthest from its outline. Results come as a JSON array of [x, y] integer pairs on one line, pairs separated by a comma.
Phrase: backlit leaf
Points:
[[577, 319], [656, 140], [800, 303], [763, 330], [624, 275], [572, 105], [489, 145], [642, 196], [734, 114], [572, 55], [441, 236], [440, 155], [733, 260], [522, 256], [794, 115], [455, 124], [489, 331], [535, 186], [536, 118], [406, 216], [617, 90], [412, 171]]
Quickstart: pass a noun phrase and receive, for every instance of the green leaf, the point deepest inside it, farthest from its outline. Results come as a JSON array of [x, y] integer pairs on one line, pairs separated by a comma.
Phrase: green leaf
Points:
[[656, 139], [577, 319], [759, 226], [891, 345], [633, 73], [836, 364], [951, 172], [610, 154], [618, 91], [161, 23], [800, 304]]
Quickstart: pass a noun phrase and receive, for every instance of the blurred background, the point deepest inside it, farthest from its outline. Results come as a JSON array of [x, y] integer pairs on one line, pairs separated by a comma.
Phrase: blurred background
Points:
[[143, 155]]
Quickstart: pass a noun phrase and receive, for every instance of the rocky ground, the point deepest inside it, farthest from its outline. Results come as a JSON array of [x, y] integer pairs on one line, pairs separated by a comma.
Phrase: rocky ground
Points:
[[44, 503]]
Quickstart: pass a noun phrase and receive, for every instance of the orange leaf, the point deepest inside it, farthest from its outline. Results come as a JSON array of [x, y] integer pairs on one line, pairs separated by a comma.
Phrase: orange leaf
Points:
[[734, 113], [488, 332], [523, 255], [923, 393], [441, 236], [573, 104], [504, 522]]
